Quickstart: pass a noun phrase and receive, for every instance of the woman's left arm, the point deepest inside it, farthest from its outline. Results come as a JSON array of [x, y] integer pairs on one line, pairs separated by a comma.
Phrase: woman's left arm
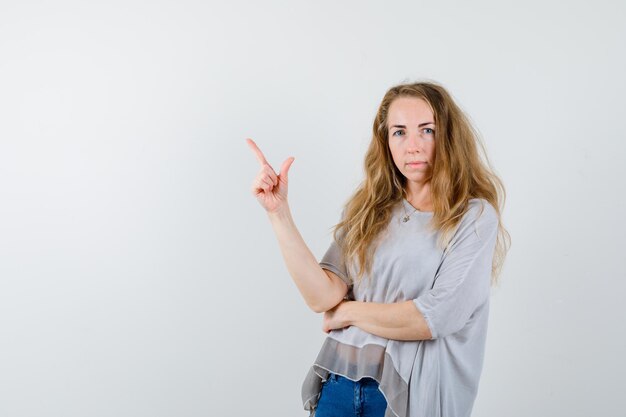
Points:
[[399, 321]]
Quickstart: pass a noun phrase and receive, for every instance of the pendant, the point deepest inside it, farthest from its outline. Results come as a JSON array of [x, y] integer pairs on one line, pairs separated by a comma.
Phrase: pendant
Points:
[[405, 219]]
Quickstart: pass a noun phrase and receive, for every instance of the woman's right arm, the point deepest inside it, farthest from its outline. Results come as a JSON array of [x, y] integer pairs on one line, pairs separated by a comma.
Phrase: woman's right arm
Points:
[[321, 289]]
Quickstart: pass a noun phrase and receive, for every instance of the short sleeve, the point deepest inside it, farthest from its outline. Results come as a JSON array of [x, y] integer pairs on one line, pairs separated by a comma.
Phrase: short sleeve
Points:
[[334, 261], [463, 280]]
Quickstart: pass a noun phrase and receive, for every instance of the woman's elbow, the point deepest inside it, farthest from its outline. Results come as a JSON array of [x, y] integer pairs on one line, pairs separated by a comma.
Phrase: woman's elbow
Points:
[[323, 306], [331, 296]]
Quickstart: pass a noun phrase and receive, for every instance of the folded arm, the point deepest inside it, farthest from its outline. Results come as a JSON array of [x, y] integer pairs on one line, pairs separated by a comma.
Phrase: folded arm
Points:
[[399, 321]]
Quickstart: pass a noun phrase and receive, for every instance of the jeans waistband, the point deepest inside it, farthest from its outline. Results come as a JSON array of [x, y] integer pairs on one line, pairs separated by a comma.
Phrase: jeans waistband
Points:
[[365, 381]]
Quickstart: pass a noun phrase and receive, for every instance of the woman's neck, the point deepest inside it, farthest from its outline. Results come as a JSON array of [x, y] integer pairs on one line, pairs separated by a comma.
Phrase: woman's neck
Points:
[[419, 197]]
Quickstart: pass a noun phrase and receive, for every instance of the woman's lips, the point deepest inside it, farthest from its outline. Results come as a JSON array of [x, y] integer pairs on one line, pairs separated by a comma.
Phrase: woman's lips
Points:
[[416, 164]]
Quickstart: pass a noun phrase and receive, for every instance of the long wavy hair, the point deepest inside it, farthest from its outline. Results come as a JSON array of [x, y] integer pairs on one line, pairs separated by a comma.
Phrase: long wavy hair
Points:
[[459, 174]]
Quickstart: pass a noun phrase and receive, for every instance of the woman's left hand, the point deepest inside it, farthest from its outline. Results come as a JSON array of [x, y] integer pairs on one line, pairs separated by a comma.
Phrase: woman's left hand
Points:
[[337, 317]]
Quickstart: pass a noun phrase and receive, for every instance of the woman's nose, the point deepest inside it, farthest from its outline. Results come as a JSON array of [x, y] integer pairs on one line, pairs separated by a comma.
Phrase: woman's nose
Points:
[[414, 142]]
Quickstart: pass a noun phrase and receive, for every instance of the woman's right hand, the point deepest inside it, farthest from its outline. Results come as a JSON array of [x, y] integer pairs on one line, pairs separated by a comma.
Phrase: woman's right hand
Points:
[[270, 189]]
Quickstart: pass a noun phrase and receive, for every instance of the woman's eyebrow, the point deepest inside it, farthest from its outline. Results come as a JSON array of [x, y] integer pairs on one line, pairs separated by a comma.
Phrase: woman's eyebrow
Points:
[[420, 125]]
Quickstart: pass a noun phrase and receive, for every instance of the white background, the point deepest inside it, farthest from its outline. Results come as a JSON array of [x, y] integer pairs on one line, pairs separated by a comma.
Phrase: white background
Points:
[[140, 277]]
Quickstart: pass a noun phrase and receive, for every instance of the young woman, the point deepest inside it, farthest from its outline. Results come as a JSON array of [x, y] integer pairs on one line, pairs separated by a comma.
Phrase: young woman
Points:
[[405, 283]]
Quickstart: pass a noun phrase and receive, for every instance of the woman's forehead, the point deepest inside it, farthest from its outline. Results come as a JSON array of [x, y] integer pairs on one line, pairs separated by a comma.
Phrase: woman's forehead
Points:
[[410, 110]]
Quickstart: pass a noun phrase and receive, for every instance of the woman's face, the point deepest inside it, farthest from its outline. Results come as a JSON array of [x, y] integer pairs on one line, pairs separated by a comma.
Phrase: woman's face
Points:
[[411, 125]]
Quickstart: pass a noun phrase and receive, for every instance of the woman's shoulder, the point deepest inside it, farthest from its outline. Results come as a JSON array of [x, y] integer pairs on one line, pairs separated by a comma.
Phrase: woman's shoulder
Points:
[[480, 208], [480, 218]]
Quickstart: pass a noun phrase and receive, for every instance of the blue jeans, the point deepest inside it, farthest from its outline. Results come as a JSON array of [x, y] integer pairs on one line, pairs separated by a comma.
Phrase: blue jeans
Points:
[[342, 397]]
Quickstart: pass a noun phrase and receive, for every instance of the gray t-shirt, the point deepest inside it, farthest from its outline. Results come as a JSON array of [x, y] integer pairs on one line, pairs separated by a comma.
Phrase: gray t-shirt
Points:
[[423, 378]]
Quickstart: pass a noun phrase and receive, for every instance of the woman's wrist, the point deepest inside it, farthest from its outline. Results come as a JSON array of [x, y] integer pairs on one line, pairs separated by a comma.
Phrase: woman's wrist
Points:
[[279, 215], [350, 313]]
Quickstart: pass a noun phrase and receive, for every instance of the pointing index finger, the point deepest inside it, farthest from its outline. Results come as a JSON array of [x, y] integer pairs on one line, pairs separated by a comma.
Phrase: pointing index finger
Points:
[[257, 152]]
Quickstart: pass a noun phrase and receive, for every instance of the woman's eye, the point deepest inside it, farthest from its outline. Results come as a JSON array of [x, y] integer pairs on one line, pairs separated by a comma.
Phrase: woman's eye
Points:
[[426, 130]]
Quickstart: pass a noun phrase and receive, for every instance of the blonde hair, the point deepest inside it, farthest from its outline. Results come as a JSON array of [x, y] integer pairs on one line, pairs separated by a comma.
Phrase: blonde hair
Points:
[[459, 174]]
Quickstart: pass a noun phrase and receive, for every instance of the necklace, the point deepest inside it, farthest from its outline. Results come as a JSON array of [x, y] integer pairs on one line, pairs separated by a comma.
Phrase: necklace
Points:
[[407, 216]]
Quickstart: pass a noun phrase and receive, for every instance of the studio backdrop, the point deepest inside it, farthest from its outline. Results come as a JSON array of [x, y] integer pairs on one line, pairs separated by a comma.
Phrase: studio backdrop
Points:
[[140, 277]]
